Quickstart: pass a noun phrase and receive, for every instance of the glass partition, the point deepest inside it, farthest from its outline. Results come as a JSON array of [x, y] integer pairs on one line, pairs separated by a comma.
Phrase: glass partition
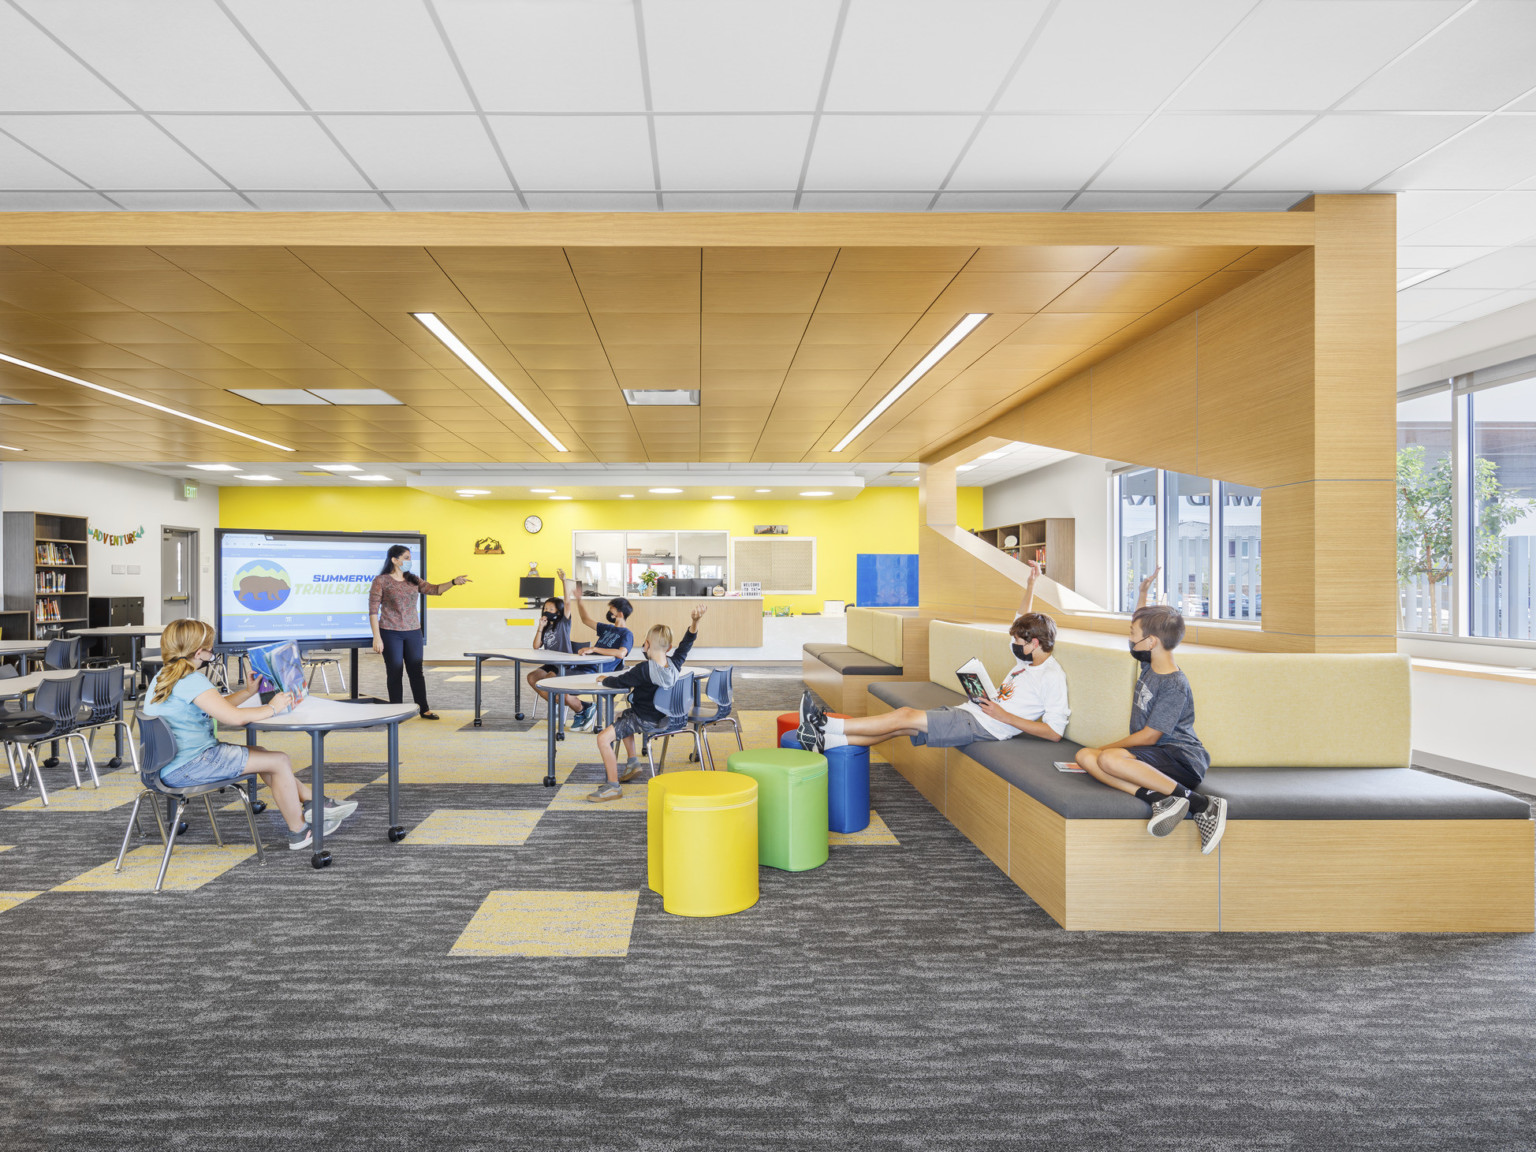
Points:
[[701, 555], [1187, 529], [1241, 521], [1503, 522], [1137, 546], [599, 562], [1425, 513]]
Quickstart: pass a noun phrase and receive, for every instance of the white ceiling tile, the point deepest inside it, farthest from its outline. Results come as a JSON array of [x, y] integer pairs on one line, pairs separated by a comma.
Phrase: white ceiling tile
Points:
[[870, 152], [1496, 154], [20, 168], [1306, 54], [1489, 306], [55, 202], [112, 151], [723, 152], [1407, 333], [319, 201], [167, 54], [1429, 303], [591, 201], [357, 55], [728, 201], [536, 56], [1418, 210], [422, 153], [1187, 152], [1478, 62], [455, 201], [205, 201], [288, 152], [1255, 201], [1506, 268], [1035, 152], [737, 57], [914, 55], [1139, 201], [865, 201], [1507, 218], [1003, 201], [36, 75], [1349, 153], [1438, 256], [577, 152], [1118, 55]]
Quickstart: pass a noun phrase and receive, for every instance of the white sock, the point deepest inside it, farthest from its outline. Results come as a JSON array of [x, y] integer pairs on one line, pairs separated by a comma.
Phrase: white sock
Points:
[[833, 740], [835, 728]]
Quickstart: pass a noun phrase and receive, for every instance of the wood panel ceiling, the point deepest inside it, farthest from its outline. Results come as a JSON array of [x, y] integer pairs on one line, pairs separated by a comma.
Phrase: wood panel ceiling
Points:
[[788, 346]]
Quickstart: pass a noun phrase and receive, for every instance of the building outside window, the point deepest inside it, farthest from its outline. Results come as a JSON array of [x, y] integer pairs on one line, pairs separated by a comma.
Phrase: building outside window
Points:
[[1503, 513], [1187, 532], [1136, 499], [1241, 513]]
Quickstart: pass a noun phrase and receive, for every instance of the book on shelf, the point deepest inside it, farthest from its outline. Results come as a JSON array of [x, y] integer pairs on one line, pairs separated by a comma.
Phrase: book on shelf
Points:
[[50, 553]]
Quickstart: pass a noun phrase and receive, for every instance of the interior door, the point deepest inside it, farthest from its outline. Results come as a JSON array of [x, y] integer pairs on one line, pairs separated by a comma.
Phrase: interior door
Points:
[[178, 574]]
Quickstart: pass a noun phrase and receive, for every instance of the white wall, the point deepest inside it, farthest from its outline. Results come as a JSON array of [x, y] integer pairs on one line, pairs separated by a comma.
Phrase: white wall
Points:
[[118, 501], [1077, 488]]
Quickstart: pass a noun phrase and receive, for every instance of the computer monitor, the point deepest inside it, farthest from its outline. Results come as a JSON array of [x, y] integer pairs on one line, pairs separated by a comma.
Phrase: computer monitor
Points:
[[685, 586], [538, 588]]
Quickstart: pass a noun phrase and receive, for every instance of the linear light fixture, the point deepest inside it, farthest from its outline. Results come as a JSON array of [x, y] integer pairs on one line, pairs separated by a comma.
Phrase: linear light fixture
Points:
[[956, 334], [9, 448], [1419, 278], [137, 400], [435, 326]]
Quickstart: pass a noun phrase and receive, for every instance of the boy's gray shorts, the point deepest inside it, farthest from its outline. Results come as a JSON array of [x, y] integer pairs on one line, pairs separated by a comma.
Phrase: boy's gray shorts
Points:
[[952, 728]]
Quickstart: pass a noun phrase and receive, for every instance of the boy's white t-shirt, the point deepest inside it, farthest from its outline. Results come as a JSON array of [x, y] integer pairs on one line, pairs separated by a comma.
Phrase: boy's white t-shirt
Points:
[[1031, 692]]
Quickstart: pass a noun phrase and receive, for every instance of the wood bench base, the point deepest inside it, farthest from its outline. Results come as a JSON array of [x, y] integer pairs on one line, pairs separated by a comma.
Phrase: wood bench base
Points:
[[1265, 876], [846, 694]]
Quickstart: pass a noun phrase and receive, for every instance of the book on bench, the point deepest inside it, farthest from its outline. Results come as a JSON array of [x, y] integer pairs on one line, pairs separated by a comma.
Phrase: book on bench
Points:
[[975, 682]]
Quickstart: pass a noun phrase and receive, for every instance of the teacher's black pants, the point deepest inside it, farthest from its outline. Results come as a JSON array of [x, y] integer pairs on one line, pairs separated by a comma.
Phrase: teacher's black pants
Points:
[[403, 650]]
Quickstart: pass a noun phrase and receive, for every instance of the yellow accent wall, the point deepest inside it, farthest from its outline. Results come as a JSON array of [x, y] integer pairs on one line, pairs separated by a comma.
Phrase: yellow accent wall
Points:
[[878, 520]]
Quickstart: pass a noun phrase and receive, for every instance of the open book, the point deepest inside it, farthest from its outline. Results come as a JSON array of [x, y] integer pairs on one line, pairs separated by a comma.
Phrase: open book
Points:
[[975, 682], [281, 667]]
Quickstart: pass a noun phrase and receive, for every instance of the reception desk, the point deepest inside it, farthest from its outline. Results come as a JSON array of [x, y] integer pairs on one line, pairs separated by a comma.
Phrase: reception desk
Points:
[[733, 621]]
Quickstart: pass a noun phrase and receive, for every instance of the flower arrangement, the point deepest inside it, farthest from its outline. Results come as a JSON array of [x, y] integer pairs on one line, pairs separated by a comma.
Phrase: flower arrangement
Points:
[[649, 578]]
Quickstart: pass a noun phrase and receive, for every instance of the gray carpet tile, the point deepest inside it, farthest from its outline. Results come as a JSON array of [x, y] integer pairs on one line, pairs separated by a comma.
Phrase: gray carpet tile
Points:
[[897, 998]]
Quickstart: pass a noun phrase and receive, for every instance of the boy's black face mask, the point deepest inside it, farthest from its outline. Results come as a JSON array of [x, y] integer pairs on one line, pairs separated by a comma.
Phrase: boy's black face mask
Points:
[[612, 619], [1140, 656], [1018, 651]]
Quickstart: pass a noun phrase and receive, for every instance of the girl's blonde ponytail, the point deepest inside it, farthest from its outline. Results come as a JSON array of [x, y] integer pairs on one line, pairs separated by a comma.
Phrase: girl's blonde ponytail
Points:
[[179, 643]]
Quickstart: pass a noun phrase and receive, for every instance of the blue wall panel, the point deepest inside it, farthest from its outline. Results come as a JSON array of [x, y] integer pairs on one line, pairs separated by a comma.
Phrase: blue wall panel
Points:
[[887, 579]]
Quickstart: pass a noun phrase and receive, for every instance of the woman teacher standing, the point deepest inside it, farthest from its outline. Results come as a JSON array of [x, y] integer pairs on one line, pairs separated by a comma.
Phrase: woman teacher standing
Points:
[[396, 621]]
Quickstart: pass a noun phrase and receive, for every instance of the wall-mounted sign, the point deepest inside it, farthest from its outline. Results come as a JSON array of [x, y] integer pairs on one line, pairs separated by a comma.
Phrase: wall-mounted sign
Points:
[[488, 546], [107, 538], [751, 587], [770, 530]]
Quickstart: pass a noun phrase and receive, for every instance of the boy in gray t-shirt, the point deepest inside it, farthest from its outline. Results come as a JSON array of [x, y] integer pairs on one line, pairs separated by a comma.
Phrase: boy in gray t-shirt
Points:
[[1162, 760]]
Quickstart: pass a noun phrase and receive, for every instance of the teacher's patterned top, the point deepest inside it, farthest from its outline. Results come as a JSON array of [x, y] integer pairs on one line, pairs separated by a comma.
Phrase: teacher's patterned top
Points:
[[395, 602]]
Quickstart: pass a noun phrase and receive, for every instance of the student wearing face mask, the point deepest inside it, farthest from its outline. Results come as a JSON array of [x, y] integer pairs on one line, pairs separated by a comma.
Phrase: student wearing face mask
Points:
[[613, 639], [552, 634], [182, 696], [1032, 699], [394, 612]]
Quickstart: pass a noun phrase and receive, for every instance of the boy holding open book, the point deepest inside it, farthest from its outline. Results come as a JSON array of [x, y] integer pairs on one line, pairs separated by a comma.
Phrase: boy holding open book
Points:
[[1032, 699]]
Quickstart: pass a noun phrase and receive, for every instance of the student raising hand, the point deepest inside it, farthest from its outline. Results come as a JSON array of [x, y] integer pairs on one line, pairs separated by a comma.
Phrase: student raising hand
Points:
[[1146, 587]]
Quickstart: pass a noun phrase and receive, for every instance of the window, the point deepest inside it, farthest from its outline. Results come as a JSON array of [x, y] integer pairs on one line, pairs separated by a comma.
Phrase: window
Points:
[[1502, 525], [1203, 534], [1424, 513], [612, 563]]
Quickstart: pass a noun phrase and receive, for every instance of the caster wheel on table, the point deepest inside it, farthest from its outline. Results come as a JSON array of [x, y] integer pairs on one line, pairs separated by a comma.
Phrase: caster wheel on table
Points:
[[51, 762], [559, 735], [258, 806], [181, 829], [519, 715], [320, 860], [115, 762], [693, 757], [477, 723], [396, 834]]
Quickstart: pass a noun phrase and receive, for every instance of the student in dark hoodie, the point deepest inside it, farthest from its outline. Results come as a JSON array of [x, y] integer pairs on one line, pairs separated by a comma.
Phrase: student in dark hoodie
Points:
[[656, 672]]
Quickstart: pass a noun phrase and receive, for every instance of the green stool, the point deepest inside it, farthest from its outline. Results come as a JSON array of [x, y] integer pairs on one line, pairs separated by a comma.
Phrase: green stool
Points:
[[791, 805]]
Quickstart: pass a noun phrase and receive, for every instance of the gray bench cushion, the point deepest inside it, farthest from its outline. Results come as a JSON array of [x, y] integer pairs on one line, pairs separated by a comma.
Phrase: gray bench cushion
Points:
[[1357, 794], [924, 694], [817, 651], [856, 663], [1027, 763]]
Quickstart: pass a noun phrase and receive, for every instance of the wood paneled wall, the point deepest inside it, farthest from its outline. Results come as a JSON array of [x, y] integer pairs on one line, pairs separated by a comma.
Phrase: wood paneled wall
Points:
[[1286, 383]]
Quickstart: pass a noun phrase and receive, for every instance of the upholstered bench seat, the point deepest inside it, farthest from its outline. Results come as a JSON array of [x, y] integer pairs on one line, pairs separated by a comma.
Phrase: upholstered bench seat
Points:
[[840, 673], [1356, 794], [820, 650], [924, 694], [855, 663]]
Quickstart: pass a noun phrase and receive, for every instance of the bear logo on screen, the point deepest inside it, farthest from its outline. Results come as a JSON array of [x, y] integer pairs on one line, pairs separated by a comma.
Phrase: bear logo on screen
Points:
[[261, 586]]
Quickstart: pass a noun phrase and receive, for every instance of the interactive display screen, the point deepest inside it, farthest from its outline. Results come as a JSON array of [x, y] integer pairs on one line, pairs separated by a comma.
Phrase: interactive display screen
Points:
[[307, 586]]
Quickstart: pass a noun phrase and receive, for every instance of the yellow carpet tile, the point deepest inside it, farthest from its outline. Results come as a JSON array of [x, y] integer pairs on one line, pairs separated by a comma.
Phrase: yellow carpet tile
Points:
[[545, 923], [6, 847], [475, 826], [117, 789], [191, 867], [876, 835], [573, 798], [9, 900]]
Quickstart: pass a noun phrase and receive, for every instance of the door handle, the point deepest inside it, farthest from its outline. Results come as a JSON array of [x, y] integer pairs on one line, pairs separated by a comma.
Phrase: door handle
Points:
[[177, 598]]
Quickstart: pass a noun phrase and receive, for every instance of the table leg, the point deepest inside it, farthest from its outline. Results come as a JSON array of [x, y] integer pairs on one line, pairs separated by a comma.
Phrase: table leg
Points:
[[250, 785], [479, 664], [321, 858], [557, 704], [396, 829], [354, 673], [133, 663], [517, 689]]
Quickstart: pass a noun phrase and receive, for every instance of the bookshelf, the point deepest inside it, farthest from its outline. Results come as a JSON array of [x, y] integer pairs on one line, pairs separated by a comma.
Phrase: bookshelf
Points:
[[1055, 538], [46, 572]]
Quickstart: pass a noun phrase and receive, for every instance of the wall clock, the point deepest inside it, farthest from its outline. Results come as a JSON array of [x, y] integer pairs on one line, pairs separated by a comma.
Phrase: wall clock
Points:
[[532, 524]]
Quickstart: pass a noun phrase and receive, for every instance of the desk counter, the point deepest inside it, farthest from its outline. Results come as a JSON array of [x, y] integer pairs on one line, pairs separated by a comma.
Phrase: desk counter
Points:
[[733, 621]]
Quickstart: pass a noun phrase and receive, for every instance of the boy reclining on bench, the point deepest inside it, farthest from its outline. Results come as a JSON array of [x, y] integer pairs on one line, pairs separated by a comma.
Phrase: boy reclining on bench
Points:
[[1162, 761], [1032, 699]]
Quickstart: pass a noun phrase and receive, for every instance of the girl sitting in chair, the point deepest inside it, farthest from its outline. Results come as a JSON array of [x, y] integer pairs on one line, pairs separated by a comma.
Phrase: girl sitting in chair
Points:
[[182, 696]]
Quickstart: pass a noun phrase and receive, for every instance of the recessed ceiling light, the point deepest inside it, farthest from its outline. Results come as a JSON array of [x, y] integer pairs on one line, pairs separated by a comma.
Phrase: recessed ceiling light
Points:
[[371, 476], [559, 497], [542, 491], [283, 396], [815, 493], [141, 402], [722, 497], [666, 491], [351, 397], [435, 326], [473, 491], [765, 489], [256, 476], [9, 448], [964, 467], [215, 467], [956, 334], [998, 453], [1419, 278], [626, 495], [668, 396], [338, 467]]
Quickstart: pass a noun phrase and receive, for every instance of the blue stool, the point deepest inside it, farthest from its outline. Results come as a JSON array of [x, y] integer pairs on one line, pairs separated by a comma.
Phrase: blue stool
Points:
[[847, 785]]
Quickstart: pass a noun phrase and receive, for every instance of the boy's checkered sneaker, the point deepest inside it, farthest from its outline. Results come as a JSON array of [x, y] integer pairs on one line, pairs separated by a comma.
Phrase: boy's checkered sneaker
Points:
[[1212, 824], [1166, 815]]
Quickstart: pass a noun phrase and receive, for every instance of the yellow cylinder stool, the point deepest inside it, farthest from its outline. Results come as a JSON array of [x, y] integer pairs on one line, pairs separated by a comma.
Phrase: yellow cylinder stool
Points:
[[701, 842]]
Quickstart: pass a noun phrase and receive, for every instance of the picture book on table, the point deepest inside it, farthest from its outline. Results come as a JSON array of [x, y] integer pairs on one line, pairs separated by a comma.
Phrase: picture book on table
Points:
[[975, 682], [281, 667]]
